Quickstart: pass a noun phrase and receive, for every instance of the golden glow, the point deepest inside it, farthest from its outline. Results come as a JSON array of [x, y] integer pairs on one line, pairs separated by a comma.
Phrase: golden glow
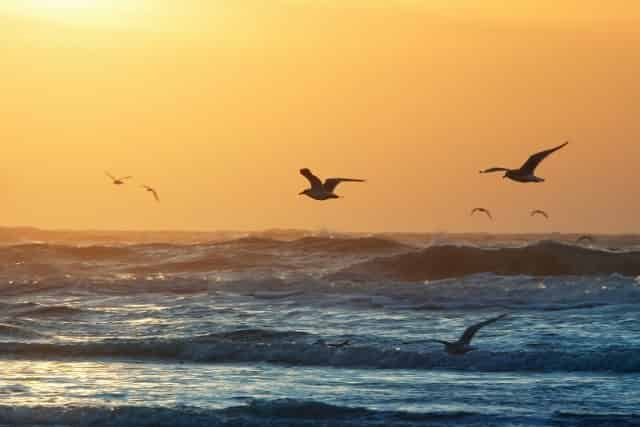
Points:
[[66, 4], [412, 95], [121, 13]]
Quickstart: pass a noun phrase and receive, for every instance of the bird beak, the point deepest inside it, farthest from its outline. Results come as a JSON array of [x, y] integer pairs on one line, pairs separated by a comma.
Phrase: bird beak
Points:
[[301, 193]]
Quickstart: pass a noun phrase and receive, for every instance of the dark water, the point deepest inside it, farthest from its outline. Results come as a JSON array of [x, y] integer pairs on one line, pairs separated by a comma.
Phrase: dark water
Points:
[[235, 332]]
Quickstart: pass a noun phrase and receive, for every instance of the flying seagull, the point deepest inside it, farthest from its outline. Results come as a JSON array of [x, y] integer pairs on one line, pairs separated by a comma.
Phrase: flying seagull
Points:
[[152, 191], [320, 191], [527, 170], [118, 181], [462, 346], [483, 210], [539, 212]]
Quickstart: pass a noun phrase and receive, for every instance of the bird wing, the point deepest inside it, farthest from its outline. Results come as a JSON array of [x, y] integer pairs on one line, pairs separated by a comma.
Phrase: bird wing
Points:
[[482, 210], [495, 170], [110, 176], [313, 180], [532, 163], [152, 191], [331, 183], [539, 212], [125, 177], [468, 334]]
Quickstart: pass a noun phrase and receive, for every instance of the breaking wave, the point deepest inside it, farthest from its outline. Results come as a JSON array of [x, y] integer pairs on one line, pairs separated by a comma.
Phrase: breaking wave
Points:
[[546, 258], [289, 412], [301, 349], [283, 412]]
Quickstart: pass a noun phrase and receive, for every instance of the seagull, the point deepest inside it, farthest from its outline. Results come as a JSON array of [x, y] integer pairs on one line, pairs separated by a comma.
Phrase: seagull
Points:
[[539, 212], [462, 346], [118, 181], [483, 210], [344, 343], [320, 191], [526, 171], [152, 191]]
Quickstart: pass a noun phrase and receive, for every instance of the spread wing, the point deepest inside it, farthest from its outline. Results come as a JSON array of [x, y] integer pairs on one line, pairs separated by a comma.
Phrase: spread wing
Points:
[[483, 210], [539, 212], [113, 178], [471, 331], [532, 163], [152, 191], [495, 170], [331, 183], [155, 194], [125, 178], [313, 180]]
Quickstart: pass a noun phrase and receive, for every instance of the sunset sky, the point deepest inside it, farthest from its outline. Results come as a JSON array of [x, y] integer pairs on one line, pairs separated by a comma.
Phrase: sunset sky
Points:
[[219, 103]]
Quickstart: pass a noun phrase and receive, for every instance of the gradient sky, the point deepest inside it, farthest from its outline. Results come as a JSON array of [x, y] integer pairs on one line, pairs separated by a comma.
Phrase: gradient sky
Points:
[[219, 103]]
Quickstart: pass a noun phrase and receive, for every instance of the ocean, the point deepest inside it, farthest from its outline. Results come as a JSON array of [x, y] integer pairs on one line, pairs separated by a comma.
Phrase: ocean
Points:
[[235, 329]]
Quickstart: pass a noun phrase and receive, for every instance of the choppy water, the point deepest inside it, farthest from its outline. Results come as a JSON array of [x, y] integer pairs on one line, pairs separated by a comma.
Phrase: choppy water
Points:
[[236, 332]]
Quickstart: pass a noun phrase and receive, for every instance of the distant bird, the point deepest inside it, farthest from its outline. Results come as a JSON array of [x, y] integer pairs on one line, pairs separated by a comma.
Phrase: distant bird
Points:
[[320, 191], [539, 212], [152, 191], [463, 345], [527, 170], [118, 181], [482, 210], [344, 343]]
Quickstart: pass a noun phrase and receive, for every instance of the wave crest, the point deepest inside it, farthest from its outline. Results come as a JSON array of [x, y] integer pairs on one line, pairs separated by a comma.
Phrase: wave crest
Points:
[[297, 348], [545, 258]]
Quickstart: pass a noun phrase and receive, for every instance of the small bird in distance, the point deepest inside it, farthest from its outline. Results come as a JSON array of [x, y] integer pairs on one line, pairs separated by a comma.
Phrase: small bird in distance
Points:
[[539, 212], [482, 210], [152, 191], [118, 181]]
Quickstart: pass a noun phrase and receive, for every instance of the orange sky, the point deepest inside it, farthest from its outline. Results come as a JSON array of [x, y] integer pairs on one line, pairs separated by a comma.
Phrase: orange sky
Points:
[[219, 103]]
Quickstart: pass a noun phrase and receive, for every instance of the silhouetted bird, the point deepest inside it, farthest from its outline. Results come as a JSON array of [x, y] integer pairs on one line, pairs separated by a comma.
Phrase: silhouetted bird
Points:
[[526, 171], [320, 191], [482, 210], [463, 345], [539, 212], [344, 343], [152, 191], [118, 181]]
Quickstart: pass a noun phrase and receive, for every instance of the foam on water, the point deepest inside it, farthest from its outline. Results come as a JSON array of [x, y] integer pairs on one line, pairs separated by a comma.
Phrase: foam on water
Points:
[[187, 311]]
